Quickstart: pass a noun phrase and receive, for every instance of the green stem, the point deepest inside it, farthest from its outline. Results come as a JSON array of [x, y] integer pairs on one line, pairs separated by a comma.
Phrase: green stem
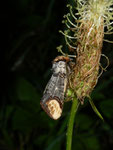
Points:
[[74, 109]]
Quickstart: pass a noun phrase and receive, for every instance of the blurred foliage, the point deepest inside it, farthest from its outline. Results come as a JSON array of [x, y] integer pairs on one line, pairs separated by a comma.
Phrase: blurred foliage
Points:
[[29, 29]]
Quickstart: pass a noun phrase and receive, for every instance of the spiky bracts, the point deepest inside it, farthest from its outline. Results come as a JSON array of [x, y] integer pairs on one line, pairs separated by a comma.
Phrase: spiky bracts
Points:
[[87, 30]]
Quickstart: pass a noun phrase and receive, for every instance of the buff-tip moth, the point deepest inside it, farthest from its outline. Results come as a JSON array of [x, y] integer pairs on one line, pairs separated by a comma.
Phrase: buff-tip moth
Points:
[[53, 96]]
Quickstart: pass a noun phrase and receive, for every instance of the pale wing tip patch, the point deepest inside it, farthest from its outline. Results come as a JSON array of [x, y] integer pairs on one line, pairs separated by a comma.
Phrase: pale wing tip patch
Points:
[[54, 108]]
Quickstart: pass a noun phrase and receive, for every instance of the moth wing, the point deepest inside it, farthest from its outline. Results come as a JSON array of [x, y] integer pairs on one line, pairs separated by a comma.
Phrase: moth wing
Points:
[[48, 90], [58, 90], [53, 96]]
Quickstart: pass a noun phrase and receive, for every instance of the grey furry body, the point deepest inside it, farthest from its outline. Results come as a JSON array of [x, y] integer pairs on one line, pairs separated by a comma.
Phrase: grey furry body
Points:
[[56, 86]]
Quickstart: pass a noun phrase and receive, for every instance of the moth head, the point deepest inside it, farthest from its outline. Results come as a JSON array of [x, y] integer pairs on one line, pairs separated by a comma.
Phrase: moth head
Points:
[[54, 108], [59, 67], [62, 58]]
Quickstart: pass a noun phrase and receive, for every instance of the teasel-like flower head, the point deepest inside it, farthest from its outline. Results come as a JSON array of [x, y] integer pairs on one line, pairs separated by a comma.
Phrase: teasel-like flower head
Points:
[[85, 36]]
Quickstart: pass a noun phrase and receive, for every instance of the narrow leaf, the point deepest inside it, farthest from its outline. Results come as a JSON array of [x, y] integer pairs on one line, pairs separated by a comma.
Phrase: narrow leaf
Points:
[[95, 109]]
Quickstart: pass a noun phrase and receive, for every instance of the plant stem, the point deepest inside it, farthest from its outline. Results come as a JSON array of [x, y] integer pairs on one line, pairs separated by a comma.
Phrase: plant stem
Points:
[[74, 109]]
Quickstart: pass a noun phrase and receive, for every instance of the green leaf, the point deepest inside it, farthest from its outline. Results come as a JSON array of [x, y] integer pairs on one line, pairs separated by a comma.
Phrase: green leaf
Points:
[[95, 109], [25, 91], [22, 120]]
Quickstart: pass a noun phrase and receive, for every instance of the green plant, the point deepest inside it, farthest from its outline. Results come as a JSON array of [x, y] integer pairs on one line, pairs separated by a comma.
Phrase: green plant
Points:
[[84, 37]]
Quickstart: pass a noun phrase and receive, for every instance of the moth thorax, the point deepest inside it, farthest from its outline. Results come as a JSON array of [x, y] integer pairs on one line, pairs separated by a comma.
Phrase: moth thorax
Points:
[[54, 109], [59, 67]]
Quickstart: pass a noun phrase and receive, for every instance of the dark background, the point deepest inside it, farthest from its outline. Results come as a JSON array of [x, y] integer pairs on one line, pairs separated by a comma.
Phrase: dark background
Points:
[[29, 37]]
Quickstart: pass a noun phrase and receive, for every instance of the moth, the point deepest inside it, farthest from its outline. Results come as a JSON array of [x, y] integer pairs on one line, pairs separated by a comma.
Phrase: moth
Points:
[[53, 96]]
